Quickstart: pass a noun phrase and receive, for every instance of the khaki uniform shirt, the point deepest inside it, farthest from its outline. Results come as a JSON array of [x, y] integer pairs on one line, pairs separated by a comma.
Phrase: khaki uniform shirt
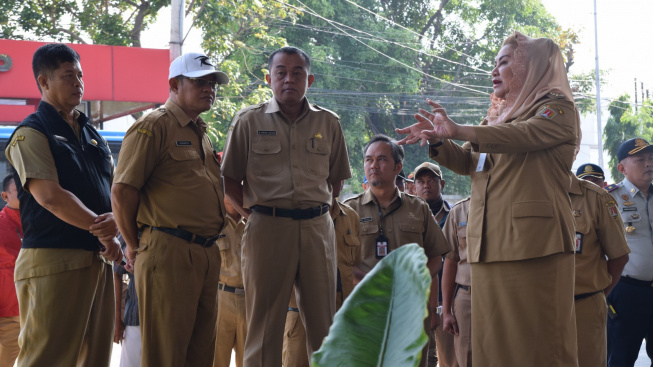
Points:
[[230, 242], [599, 233], [519, 208], [410, 221], [282, 163], [169, 159], [347, 227], [30, 160], [636, 212], [455, 231]]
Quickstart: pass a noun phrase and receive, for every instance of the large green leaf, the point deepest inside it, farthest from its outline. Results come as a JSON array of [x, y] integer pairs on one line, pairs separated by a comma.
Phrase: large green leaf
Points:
[[382, 321]]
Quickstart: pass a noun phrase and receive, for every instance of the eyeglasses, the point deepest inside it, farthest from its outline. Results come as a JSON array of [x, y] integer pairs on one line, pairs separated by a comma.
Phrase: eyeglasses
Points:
[[201, 82]]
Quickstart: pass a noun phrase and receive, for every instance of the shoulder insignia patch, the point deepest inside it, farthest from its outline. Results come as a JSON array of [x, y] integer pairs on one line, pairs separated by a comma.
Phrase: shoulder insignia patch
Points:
[[548, 112], [612, 208], [145, 132], [612, 187], [17, 139]]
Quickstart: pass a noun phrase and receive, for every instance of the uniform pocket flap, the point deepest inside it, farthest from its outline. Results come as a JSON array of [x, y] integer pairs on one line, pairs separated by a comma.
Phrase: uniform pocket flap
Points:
[[266, 147], [532, 209], [352, 240], [317, 146], [184, 154], [369, 229], [411, 227]]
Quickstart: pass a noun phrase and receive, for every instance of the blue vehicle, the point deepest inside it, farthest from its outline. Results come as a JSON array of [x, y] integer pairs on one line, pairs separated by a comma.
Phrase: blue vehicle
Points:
[[113, 137]]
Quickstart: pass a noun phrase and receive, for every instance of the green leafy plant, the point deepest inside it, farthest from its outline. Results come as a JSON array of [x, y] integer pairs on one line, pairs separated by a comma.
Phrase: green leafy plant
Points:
[[382, 321]]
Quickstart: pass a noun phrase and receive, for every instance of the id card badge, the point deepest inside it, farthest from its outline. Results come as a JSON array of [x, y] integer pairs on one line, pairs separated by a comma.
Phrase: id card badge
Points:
[[579, 243], [481, 162], [381, 247]]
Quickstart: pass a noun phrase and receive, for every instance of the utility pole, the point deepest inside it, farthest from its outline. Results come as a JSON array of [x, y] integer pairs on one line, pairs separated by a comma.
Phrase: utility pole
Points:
[[176, 28], [599, 130], [635, 95]]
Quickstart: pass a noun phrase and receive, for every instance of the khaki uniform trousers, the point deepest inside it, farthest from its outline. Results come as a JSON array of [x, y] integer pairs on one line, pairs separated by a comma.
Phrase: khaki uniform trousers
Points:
[[277, 253], [591, 319], [523, 313], [444, 344], [294, 342], [232, 329], [67, 317], [177, 286], [462, 308], [9, 329]]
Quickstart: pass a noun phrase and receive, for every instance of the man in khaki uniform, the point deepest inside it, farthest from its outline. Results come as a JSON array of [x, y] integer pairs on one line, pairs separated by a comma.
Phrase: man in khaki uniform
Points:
[[281, 159], [232, 325], [347, 227], [168, 186], [429, 185], [390, 219], [599, 234], [63, 282], [456, 285]]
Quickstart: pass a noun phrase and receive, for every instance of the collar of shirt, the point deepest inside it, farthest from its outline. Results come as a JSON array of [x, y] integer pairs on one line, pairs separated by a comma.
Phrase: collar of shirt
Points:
[[336, 209], [575, 186], [273, 106], [182, 117], [368, 197], [633, 190]]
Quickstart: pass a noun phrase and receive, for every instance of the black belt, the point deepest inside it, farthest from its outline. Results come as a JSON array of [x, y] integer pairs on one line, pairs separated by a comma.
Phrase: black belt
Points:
[[293, 309], [633, 281], [188, 236], [585, 295], [296, 214], [226, 288]]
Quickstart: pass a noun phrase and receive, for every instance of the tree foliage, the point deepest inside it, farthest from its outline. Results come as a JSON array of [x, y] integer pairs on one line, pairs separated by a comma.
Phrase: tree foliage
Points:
[[624, 124], [107, 22]]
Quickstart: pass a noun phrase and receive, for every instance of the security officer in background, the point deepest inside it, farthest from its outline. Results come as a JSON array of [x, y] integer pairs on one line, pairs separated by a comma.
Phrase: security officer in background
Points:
[[599, 234], [456, 284], [232, 324], [168, 186], [280, 162], [390, 219], [631, 301], [347, 227], [429, 185], [63, 171]]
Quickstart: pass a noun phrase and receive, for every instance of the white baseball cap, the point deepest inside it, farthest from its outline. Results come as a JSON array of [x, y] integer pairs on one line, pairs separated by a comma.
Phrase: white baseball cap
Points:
[[195, 65]]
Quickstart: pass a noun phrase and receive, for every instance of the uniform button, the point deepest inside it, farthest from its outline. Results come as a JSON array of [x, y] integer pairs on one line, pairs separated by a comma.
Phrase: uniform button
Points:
[[294, 166], [482, 202]]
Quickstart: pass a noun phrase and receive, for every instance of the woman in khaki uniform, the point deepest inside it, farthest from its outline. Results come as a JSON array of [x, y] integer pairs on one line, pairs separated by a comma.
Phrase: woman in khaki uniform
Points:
[[521, 230]]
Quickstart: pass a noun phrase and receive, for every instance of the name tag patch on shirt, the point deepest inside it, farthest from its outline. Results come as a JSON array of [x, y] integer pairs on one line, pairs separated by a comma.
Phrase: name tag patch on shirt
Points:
[[183, 143], [630, 209], [579, 243], [366, 220], [266, 132]]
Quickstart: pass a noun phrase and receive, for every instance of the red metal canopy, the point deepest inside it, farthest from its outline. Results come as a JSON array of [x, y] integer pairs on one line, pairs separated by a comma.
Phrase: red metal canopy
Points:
[[111, 73]]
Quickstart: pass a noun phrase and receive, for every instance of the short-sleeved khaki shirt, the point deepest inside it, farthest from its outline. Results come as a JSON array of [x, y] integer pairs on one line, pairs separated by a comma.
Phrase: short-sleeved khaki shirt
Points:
[[170, 160], [410, 221], [455, 231], [599, 233], [282, 163], [348, 245], [230, 243]]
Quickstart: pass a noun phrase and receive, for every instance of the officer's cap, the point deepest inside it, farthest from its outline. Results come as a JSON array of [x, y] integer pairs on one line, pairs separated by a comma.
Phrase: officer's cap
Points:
[[632, 147], [590, 170]]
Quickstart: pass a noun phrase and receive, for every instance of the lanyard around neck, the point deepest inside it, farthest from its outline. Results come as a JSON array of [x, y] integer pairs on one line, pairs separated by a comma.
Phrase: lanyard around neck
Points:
[[381, 216]]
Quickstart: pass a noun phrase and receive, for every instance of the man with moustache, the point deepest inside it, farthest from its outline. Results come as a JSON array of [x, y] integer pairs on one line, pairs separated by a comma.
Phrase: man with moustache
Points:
[[168, 187], [630, 303], [63, 169], [390, 219]]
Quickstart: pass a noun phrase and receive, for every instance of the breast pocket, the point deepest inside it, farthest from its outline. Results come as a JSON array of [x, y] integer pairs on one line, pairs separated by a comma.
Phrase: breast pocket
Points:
[[352, 249], [632, 219], [317, 157], [224, 246], [461, 233], [184, 155], [266, 158], [412, 232]]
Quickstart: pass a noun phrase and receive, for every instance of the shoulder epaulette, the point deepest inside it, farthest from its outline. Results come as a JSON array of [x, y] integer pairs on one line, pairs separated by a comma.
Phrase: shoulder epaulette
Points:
[[352, 198], [592, 186], [461, 201], [326, 110], [612, 187]]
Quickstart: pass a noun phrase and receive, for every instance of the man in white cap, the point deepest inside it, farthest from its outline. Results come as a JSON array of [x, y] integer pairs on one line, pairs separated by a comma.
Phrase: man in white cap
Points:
[[167, 185]]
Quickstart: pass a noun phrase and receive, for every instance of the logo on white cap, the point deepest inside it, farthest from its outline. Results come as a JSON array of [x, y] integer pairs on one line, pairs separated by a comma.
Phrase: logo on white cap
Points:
[[195, 65]]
